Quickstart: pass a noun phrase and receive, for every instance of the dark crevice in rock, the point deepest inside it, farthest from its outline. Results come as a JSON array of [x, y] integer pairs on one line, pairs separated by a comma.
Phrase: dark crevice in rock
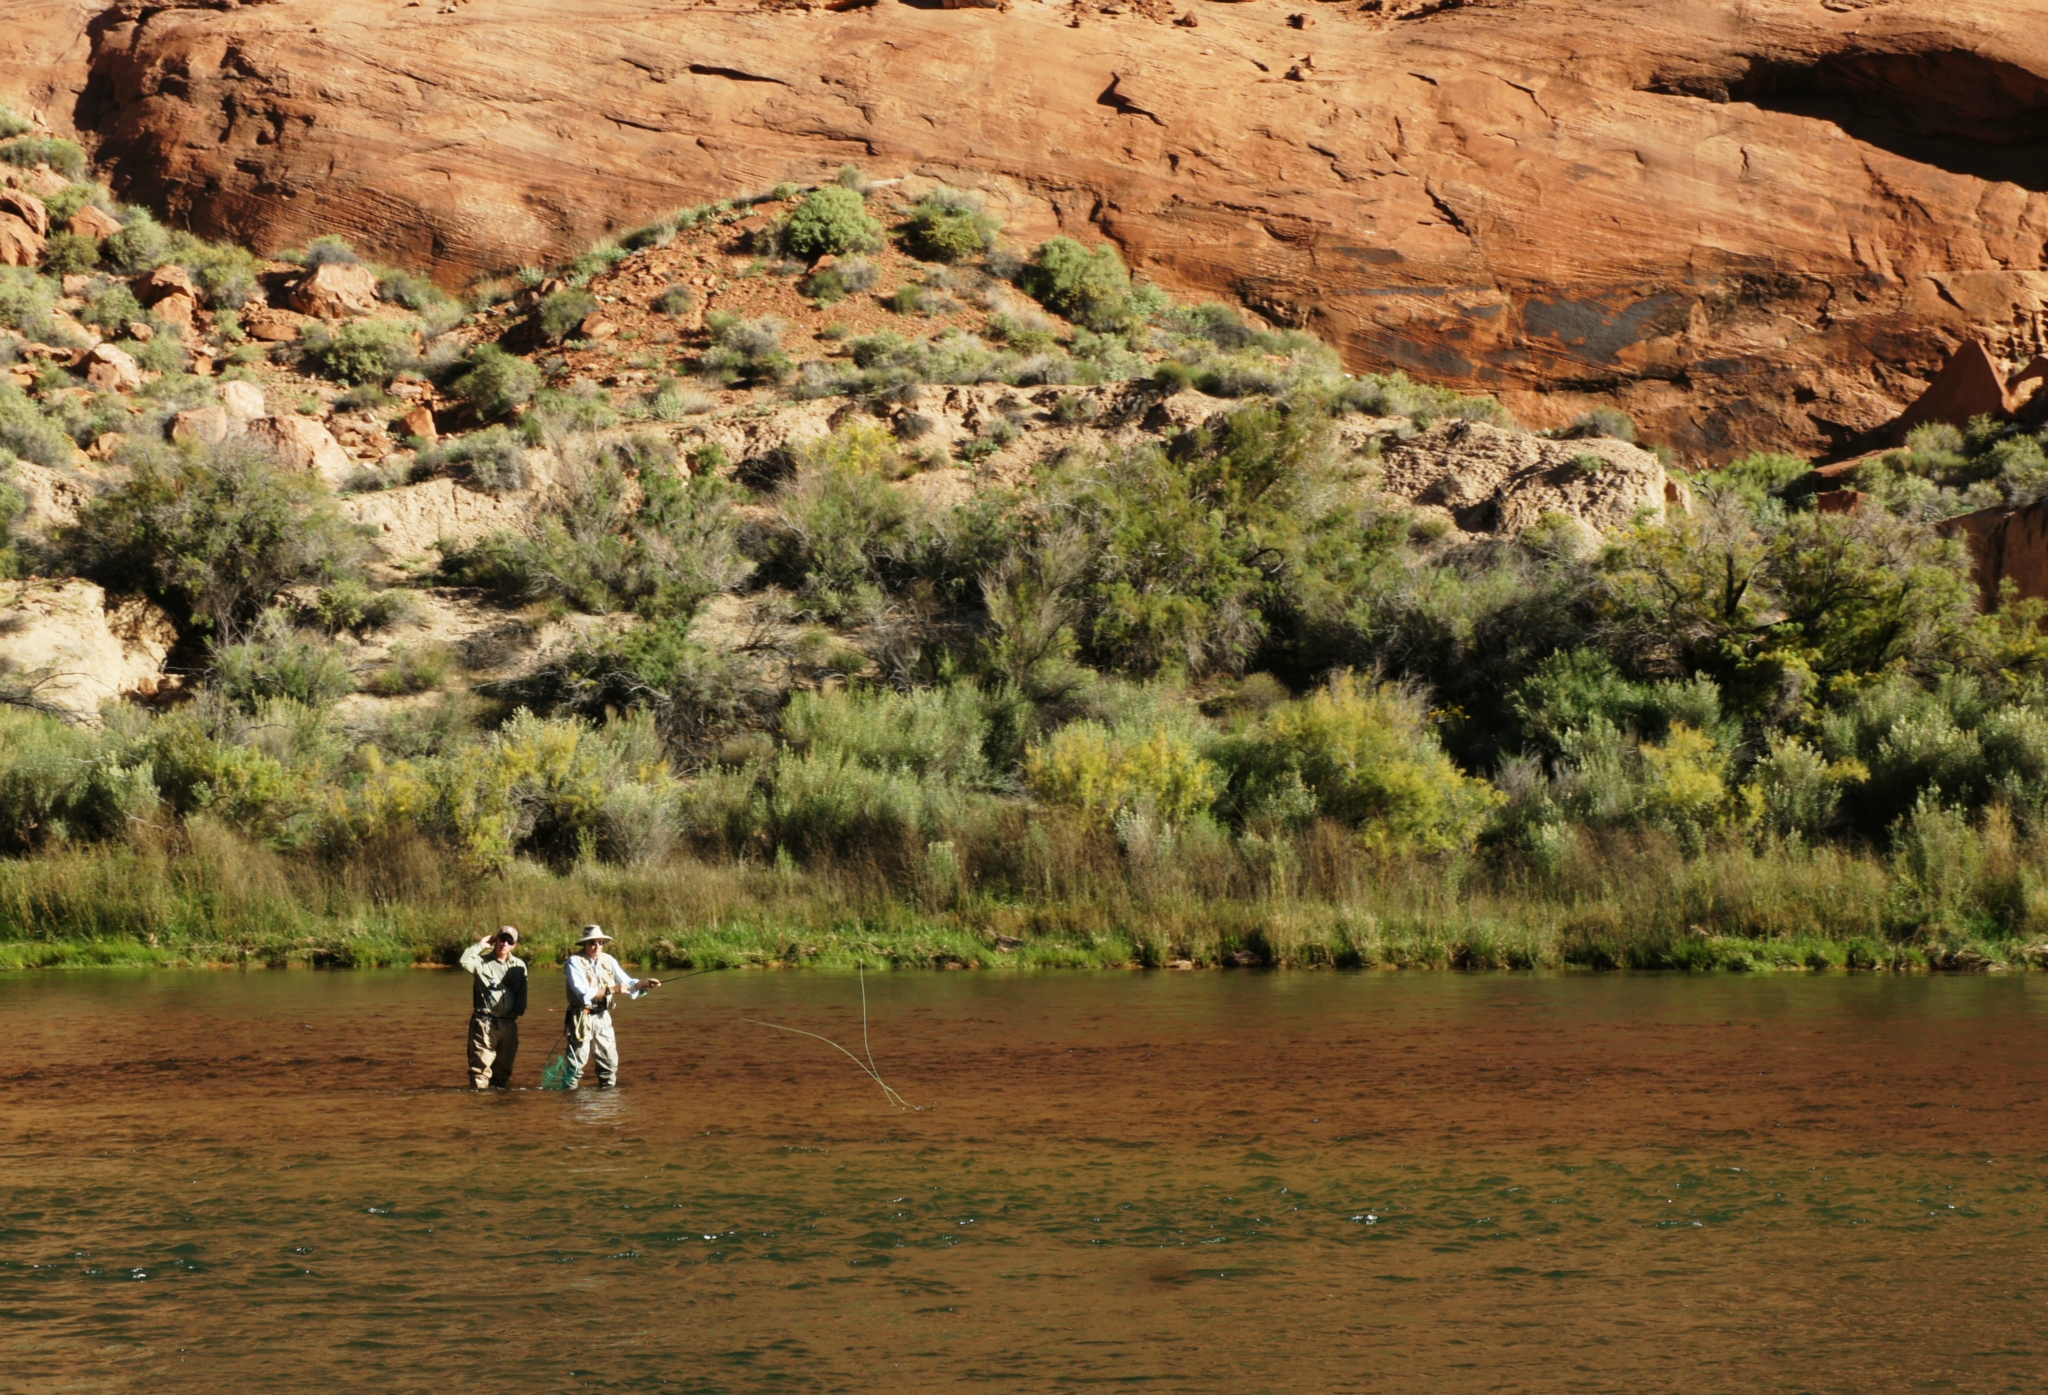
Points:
[[1959, 111]]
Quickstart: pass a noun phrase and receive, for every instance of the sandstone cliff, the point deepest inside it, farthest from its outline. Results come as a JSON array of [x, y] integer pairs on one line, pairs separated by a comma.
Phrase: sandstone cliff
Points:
[[1758, 229]]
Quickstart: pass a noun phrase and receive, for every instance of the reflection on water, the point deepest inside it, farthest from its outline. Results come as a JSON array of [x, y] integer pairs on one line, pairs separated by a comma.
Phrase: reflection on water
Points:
[[1206, 1182]]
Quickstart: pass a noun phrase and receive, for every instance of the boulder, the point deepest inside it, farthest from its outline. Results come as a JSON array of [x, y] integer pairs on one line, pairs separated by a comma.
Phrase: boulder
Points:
[[335, 291], [210, 425], [27, 207], [177, 309], [79, 647], [54, 497], [243, 401], [20, 244], [141, 331], [167, 280], [419, 423], [1505, 482], [46, 182], [110, 369], [300, 443], [95, 223], [272, 326]]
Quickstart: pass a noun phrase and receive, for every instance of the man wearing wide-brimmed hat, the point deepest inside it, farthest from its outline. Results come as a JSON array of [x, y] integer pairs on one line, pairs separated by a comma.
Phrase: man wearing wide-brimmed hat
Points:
[[497, 1002], [595, 981]]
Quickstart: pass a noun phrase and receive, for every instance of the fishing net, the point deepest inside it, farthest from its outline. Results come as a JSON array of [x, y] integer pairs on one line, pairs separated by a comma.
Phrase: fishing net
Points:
[[558, 1074]]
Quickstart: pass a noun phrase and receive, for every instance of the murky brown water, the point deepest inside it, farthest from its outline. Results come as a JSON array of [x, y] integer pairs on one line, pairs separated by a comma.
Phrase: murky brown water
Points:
[[1229, 1183]]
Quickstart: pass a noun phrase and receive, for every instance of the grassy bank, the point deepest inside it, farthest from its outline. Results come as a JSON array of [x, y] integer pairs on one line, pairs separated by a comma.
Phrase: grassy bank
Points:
[[214, 898]]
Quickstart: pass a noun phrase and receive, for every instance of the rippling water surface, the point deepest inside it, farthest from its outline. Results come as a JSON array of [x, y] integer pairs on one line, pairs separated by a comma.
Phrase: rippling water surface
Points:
[[1195, 1182]]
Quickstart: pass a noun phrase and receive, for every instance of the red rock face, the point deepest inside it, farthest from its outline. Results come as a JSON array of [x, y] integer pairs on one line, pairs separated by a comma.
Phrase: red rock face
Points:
[[1755, 226]]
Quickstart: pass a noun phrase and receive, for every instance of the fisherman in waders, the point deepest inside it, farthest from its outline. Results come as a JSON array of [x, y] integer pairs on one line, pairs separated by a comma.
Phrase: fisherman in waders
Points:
[[498, 1001], [595, 980]]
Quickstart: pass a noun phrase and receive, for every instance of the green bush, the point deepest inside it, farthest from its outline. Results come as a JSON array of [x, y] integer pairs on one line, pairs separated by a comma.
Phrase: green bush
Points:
[[562, 313], [593, 547], [494, 459], [61, 155], [60, 783], [141, 245], [276, 660], [25, 431], [1364, 755], [932, 733], [831, 221], [69, 253], [949, 225], [1759, 476], [361, 351], [844, 531], [26, 301], [1602, 421], [351, 605], [676, 300], [215, 534], [1089, 288], [497, 383], [745, 351]]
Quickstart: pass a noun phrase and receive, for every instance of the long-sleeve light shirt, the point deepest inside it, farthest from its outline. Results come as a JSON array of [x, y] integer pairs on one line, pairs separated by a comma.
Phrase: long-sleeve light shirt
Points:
[[589, 978], [497, 989]]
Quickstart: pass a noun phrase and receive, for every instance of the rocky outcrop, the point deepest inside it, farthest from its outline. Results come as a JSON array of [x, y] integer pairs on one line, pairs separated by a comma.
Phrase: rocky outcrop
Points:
[[69, 646], [301, 443], [1762, 226], [405, 523], [2006, 545], [1496, 481]]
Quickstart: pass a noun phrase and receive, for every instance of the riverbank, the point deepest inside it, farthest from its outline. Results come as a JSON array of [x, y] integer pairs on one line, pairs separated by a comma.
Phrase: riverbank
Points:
[[217, 900]]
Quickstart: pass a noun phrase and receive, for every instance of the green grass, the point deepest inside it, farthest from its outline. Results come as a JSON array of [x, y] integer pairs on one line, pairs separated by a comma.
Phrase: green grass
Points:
[[221, 901]]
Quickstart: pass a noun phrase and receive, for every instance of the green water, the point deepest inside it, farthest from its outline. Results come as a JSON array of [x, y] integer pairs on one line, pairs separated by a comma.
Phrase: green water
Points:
[[1171, 1182]]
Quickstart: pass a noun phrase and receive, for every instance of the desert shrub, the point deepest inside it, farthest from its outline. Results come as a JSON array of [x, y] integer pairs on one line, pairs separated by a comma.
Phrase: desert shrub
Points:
[[843, 531], [949, 225], [696, 696], [1090, 288], [1159, 774], [932, 733], [676, 300], [69, 253], [1361, 754], [497, 383], [414, 668], [597, 549], [215, 534], [29, 434], [1395, 395], [142, 244], [61, 155], [834, 283], [26, 301], [1602, 421], [555, 413], [60, 783], [831, 221], [746, 351], [494, 458], [225, 275], [1822, 598], [274, 659], [563, 312], [329, 249], [1759, 476], [361, 351], [350, 604], [1572, 690], [671, 401]]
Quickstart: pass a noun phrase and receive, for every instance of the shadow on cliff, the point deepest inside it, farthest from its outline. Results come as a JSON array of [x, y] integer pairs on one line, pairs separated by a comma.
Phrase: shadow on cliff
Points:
[[1958, 111]]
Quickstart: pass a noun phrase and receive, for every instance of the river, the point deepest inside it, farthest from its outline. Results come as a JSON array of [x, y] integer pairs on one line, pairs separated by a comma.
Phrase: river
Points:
[[1206, 1182]]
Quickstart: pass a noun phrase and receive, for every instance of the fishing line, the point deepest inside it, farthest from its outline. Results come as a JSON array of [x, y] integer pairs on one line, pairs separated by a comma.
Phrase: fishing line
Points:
[[867, 1067]]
